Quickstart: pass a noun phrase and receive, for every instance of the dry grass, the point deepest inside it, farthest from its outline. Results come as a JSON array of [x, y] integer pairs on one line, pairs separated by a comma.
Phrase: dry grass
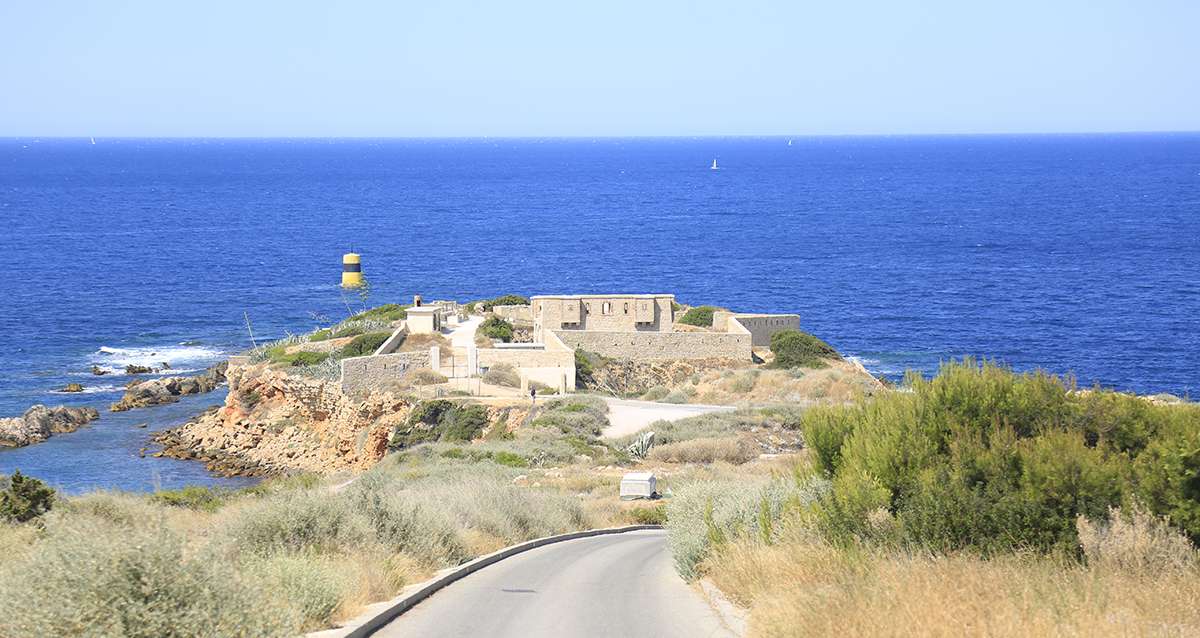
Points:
[[840, 382], [735, 450], [803, 587]]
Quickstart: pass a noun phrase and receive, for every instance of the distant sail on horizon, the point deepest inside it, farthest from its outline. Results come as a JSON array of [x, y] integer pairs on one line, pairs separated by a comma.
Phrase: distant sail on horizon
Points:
[[714, 165]]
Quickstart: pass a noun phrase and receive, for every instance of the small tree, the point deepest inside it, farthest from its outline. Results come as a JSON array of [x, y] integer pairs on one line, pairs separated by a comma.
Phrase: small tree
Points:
[[699, 316], [497, 328], [796, 349], [25, 498]]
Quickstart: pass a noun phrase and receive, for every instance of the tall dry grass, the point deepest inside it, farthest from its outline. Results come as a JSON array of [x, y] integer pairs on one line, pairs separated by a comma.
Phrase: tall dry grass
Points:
[[803, 587]]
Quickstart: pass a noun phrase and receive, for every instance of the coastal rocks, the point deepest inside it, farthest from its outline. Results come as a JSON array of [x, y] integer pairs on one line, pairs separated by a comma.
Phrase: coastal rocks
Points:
[[40, 422], [98, 371], [140, 394], [72, 387], [274, 423], [135, 369]]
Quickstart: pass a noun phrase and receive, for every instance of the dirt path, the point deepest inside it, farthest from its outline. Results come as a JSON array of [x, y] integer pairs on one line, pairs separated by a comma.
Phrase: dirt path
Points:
[[627, 416]]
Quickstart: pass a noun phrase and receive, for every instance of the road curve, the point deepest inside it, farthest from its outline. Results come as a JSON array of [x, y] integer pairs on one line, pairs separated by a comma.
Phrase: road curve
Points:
[[619, 585]]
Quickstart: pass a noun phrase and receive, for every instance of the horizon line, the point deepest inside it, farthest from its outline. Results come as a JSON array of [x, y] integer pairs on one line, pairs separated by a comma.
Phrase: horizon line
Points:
[[605, 137]]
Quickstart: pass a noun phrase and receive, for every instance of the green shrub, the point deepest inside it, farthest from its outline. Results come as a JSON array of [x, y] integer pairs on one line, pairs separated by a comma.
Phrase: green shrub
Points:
[[348, 331], [308, 358], [311, 585], [982, 458], [466, 423], [699, 316], [24, 498], [796, 349], [503, 300], [385, 313], [323, 334], [509, 459], [496, 328], [196, 497], [656, 515], [586, 364], [365, 344], [579, 415]]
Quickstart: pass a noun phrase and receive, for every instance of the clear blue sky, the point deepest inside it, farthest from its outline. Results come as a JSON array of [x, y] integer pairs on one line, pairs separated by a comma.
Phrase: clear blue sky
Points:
[[563, 67]]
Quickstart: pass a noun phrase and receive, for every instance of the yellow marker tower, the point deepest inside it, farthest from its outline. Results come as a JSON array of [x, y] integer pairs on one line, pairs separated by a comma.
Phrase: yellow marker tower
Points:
[[352, 270]]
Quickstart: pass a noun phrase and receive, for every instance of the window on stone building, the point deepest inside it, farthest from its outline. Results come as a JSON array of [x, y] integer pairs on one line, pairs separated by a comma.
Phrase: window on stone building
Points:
[[606, 308], [626, 308]]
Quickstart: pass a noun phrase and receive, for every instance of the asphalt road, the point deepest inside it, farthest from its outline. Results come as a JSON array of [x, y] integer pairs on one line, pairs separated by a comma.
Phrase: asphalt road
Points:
[[620, 585]]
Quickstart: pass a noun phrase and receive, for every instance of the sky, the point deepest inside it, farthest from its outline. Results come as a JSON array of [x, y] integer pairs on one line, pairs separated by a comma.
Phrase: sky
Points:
[[614, 68]]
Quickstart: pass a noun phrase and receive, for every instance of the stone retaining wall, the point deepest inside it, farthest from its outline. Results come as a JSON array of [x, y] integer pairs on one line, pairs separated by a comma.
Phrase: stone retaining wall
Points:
[[378, 372], [661, 346]]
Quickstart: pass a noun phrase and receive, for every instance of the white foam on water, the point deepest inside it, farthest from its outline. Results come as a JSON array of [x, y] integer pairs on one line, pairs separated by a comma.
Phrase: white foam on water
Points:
[[93, 389], [180, 358]]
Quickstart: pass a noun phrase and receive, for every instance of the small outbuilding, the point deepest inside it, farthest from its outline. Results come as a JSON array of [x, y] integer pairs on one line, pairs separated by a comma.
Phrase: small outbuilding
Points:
[[639, 485]]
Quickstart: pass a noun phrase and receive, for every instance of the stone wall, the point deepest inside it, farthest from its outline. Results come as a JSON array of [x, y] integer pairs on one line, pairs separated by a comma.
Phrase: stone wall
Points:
[[613, 313], [553, 363], [661, 346], [378, 372], [761, 327]]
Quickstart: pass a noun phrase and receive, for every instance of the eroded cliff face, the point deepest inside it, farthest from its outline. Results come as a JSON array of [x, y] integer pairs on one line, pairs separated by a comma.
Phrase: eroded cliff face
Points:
[[273, 423]]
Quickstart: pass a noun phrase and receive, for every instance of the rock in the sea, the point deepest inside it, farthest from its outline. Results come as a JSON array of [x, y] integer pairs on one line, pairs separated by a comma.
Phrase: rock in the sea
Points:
[[39, 422], [98, 371], [132, 369], [140, 394], [73, 387]]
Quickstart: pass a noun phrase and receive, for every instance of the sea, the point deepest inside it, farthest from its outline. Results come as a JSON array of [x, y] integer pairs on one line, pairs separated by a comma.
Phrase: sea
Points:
[[1076, 254]]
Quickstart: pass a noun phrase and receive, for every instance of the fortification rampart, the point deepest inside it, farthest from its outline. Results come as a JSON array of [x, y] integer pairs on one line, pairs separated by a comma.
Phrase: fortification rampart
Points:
[[660, 346], [378, 372]]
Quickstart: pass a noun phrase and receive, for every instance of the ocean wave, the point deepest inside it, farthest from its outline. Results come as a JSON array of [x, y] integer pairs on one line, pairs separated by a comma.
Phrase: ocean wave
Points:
[[93, 389], [180, 357]]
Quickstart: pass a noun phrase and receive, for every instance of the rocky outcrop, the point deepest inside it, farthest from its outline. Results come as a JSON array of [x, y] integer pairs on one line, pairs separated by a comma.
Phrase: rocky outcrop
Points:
[[274, 423], [140, 394], [40, 422]]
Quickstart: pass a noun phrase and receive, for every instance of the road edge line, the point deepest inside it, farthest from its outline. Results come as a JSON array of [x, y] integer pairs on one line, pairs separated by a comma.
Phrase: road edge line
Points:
[[398, 606]]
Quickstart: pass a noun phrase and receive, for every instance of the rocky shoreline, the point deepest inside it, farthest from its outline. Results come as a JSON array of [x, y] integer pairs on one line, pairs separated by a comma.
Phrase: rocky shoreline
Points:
[[40, 423], [141, 394]]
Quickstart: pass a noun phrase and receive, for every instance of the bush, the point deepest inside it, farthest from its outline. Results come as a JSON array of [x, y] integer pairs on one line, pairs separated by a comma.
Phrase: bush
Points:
[[195, 497], [385, 313], [656, 515], [311, 585], [324, 334], [796, 349], [466, 424], [299, 521], [579, 415], [656, 393], [502, 300], [496, 328], [24, 498], [502, 374], [308, 358], [509, 459], [99, 580], [365, 344], [1134, 541], [982, 458], [699, 316], [424, 376]]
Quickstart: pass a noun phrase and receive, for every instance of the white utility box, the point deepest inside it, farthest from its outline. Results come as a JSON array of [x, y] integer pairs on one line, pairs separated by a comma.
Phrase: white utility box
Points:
[[639, 485]]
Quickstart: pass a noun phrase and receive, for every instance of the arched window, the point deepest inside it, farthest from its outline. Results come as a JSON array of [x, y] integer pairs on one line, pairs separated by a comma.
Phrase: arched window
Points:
[[606, 308]]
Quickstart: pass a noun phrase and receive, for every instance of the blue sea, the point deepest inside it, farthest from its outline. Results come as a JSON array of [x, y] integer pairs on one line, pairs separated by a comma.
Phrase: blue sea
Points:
[[1072, 253]]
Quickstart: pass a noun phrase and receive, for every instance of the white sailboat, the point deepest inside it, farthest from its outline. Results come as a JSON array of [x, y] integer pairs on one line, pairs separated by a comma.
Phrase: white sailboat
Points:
[[789, 142], [93, 141], [714, 166]]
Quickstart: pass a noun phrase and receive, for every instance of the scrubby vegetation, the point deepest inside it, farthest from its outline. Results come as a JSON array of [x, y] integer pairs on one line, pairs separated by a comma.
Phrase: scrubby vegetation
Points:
[[275, 560], [502, 374], [496, 328], [797, 349], [486, 305], [24, 498], [980, 502], [365, 344], [699, 316], [386, 313]]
